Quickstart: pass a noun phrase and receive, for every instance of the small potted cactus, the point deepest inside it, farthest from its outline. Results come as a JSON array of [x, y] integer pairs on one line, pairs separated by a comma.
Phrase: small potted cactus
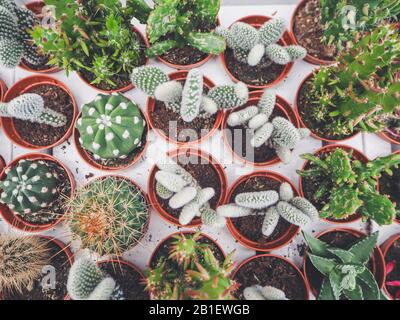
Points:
[[343, 184], [190, 266], [259, 51], [106, 280], [186, 186], [344, 264], [270, 277], [391, 253], [33, 192], [38, 113], [264, 211], [109, 215], [263, 131], [125, 132], [185, 107], [33, 268]]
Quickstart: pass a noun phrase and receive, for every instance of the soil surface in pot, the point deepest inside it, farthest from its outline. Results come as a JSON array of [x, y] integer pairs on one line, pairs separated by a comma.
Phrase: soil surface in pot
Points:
[[39, 134], [130, 282], [250, 226], [59, 260], [241, 142], [390, 185], [56, 209], [271, 271], [262, 74], [181, 131], [309, 31], [206, 176], [393, 255], [38, 67]]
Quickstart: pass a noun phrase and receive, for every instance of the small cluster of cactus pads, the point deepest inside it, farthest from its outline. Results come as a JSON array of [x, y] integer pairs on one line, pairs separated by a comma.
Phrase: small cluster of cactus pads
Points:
[[183, 191], [258, 292], [111, 127], [189, 99], [254, 46], [279, 133], [273, 205]]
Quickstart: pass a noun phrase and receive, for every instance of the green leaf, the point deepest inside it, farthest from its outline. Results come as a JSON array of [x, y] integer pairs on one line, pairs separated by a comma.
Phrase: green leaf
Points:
[[162, 20], [368, 282], [326, 291], [363, 249], [343, 255], [378, 207], [323, 265], [335, 280], [84, 47], [356, 294], [160, 48], [207, 42], [316, 246], [206, 10]]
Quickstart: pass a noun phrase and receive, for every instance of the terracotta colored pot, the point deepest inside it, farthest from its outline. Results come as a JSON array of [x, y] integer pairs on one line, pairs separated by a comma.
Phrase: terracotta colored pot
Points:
[[186, 152], [357, 155], [179, 76], [36, 8], [90, 161], [388, 138], [304, 282], [22, 87], [14, 220], [280, 242], [385, 249], [2, 164], [254, 98], [257, 21], [313, 134], [3, 90], [130, 86], [309, 58], [378, 263]]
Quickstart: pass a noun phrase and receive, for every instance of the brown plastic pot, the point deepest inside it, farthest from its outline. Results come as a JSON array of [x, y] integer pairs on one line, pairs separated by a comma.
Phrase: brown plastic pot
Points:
[[309, 58], [378, 263], [14, 220], [90, 161], [181, 76], [257, 21], [385, 249], [280, 242], [175, 154], [358, 155], [36, 7], [3, 90], [254, 98], [304, 282], [123, 89], [23, 86], [313, 134]]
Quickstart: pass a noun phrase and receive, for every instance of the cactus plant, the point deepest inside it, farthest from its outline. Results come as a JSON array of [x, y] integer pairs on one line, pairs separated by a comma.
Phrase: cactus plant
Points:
[[350, 185], [111, 127], [108, 215], [228, 96], [192, 95], [30, 107], [29, 187], [257, 292], [252, 46], [191, 271]]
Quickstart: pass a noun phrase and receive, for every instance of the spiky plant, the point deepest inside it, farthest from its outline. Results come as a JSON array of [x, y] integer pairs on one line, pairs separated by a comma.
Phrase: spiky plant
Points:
[[345, 272], [108, 215], [191, 272], [347, 185], [257, 292], [22, 260]]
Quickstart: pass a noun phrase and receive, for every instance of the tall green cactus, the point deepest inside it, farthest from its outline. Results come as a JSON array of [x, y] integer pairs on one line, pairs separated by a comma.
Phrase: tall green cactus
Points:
[[111, 126]]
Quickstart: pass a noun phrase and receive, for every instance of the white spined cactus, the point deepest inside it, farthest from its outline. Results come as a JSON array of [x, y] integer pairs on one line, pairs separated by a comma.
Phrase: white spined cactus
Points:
[[229, 96], [286, 192], [270, 221], [244, 35], [169, 92], [258, 121], [258, 292], [148, 78], [262, 135], [233, 211], [210, 218], [267, 102], [163, 192], [209, 105], [296, 52], [278, 54], [171, 181], [306, 207], [192, 95], [292, 214], [271, 31], [255, 55], [257, 200], [242, 116], [183, 197]]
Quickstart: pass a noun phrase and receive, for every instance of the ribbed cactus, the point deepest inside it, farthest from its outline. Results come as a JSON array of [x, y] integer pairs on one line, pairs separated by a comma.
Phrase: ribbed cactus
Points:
[[87, 282], [111, 127], [192, 95], [29, 187], [230, 96], [30, 107], [258, 292]]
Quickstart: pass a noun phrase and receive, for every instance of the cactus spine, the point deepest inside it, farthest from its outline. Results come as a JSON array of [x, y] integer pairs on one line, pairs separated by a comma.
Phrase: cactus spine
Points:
[[257, 292]]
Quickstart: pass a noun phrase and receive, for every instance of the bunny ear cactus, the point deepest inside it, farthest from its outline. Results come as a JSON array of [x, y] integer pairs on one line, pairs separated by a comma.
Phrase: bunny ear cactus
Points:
[[229, 96], [29, 187], [192, 95], [111, 127], [257, 292]]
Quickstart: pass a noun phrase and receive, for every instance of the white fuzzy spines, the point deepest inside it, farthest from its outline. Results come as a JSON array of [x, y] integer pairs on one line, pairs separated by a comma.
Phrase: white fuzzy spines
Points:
[[192, 95], [168, 92], [242, 116], [258, 292], [257, 200]]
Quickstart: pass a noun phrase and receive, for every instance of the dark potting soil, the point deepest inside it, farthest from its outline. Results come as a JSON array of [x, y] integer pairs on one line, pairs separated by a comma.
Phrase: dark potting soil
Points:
[[130, 282], [239, 138], [390, 185], [271, 271], [393, 255], [262, 74], [39, 134], [38, 67], [309, 31], [59, 260], [56, 209], [206, 176], [250, 226]]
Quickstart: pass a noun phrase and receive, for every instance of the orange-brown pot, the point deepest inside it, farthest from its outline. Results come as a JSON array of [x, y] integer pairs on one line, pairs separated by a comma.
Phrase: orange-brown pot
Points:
[[385, 249]]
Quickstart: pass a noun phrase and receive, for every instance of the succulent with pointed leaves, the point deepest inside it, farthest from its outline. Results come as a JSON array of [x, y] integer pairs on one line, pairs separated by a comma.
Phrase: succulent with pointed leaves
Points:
[[258, 292]]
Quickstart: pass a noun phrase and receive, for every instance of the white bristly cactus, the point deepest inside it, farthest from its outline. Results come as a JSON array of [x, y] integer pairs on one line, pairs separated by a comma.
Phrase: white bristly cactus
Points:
[[258, 292], [242, 116], [163, 192], [262, 135], [255, 55], [183, 197], [233, 211], [210, 218], [258, 121], [229, 96], [296, 52], [169, 92], [171, 181], [245, 36], [148, 78], [271, 31], [286, 192], [267, 102], [270, 222], [292, 214], [305, 206], [257, 200], [209, 105], [192, 95], [278, 54]]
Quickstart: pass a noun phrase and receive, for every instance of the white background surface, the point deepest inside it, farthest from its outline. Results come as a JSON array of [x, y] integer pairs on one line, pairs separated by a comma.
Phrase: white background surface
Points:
[[372, 145]]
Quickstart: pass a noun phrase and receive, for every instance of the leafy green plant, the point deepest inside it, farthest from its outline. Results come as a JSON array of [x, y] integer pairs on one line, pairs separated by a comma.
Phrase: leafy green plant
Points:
[[347, 185], [191, 271], [345, 272]]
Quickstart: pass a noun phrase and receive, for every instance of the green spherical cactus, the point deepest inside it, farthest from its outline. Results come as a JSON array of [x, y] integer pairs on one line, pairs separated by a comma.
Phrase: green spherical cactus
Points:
[[29, 187], [111, 127], [148, 78]]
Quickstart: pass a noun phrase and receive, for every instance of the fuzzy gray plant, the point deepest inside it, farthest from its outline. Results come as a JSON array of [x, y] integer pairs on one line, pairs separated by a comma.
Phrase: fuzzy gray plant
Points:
[[258, 292]]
